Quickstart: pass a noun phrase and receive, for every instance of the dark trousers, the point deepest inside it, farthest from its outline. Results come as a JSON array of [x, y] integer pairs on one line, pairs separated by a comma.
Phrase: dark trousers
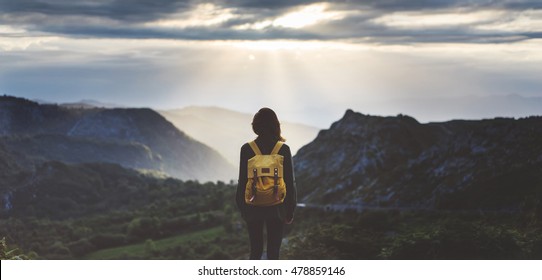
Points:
[[274, 238]]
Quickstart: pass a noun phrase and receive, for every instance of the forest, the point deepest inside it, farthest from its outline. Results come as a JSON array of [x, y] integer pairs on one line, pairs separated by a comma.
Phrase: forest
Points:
[[78, 216], [164, 218]]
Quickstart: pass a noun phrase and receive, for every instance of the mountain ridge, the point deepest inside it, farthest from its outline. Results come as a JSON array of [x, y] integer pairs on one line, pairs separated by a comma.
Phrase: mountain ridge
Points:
[[106, 132], [471, 107], [399, 162]]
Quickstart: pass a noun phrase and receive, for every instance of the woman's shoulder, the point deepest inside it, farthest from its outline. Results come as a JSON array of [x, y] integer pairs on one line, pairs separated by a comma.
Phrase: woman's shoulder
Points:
[[245, 146], [246, 150], [285, 146], [285, 149]]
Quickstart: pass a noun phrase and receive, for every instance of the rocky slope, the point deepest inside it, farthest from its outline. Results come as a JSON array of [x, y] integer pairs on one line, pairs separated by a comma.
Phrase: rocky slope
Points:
[[134, 138], [397, 162]]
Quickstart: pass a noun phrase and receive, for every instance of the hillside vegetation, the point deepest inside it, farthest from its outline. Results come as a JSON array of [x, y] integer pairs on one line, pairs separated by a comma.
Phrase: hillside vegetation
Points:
[[71, 211]]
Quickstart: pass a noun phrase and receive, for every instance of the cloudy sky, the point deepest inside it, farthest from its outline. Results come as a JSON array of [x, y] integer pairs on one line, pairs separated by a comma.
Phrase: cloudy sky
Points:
[[309, 60]]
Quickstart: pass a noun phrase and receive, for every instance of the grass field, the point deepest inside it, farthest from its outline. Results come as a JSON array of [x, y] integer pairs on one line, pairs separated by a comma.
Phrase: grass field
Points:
[[139, 249]]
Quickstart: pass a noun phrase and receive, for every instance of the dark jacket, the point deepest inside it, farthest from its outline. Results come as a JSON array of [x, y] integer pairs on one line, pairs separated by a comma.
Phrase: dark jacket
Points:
[[283, 211]]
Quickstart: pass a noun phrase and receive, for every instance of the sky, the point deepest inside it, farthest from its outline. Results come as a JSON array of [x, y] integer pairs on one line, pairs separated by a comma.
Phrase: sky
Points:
[[308, 60]]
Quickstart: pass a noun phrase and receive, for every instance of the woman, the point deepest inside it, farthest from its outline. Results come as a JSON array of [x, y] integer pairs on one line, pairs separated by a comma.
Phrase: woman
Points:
[[266, 125]]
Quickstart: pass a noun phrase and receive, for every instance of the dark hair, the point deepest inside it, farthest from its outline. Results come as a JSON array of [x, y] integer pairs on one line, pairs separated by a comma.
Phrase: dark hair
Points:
[[266, 124]]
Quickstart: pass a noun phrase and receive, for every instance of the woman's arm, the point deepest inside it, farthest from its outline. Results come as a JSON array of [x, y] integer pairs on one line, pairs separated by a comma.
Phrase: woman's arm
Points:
[[240, 195], [291, 193]]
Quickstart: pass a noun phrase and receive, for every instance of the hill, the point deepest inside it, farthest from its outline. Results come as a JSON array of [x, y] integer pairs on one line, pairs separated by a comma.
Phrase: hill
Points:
[[134, 138], [226, 130], [398, 162]]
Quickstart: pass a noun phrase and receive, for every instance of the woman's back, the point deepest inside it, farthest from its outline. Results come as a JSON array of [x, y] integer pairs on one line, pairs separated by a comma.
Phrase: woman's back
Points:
[[267, 127]]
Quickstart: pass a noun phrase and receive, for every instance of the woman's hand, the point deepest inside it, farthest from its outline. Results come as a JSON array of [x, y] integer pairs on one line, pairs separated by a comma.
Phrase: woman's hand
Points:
[[288, 222]]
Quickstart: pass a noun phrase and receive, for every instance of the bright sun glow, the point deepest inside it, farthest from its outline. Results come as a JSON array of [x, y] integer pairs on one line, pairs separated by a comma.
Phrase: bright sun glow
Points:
[[303, 17], [306, 16], [210, 15]]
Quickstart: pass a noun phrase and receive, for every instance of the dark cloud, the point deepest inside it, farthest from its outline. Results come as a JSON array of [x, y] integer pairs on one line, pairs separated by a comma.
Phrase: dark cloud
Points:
[[127, 18], [521, 5], [193, 33], [362, 28], [126, 10], [423, 5]]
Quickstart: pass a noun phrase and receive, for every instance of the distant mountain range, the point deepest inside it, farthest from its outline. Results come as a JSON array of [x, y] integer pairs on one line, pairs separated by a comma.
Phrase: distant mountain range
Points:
[[89, 103], [226, 131], [462, 107], [32, 134], [395, 162], [84, 103]]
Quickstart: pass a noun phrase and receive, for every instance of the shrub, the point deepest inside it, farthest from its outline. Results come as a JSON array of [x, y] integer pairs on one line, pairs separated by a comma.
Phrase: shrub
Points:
[[10, 254], [454, 240]]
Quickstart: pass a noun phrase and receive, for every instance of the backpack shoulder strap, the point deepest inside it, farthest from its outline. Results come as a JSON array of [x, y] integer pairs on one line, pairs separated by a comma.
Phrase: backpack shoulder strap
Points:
[[277, 148], [254, 147]]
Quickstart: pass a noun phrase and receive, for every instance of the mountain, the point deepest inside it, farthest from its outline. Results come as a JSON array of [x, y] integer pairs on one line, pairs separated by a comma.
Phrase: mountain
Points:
[[84, 103], [492, 164], [89, 103], [464, 107], [226, 130], [134, 138]]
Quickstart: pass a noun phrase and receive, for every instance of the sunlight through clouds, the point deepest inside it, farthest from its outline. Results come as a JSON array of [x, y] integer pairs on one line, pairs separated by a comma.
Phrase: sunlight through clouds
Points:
[[300, 18], [308, 15], [206, 14], [278, 45], [293, 45]]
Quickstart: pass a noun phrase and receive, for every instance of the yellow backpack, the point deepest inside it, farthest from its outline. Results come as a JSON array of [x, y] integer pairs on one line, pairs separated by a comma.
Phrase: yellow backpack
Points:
[[265, 185]]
